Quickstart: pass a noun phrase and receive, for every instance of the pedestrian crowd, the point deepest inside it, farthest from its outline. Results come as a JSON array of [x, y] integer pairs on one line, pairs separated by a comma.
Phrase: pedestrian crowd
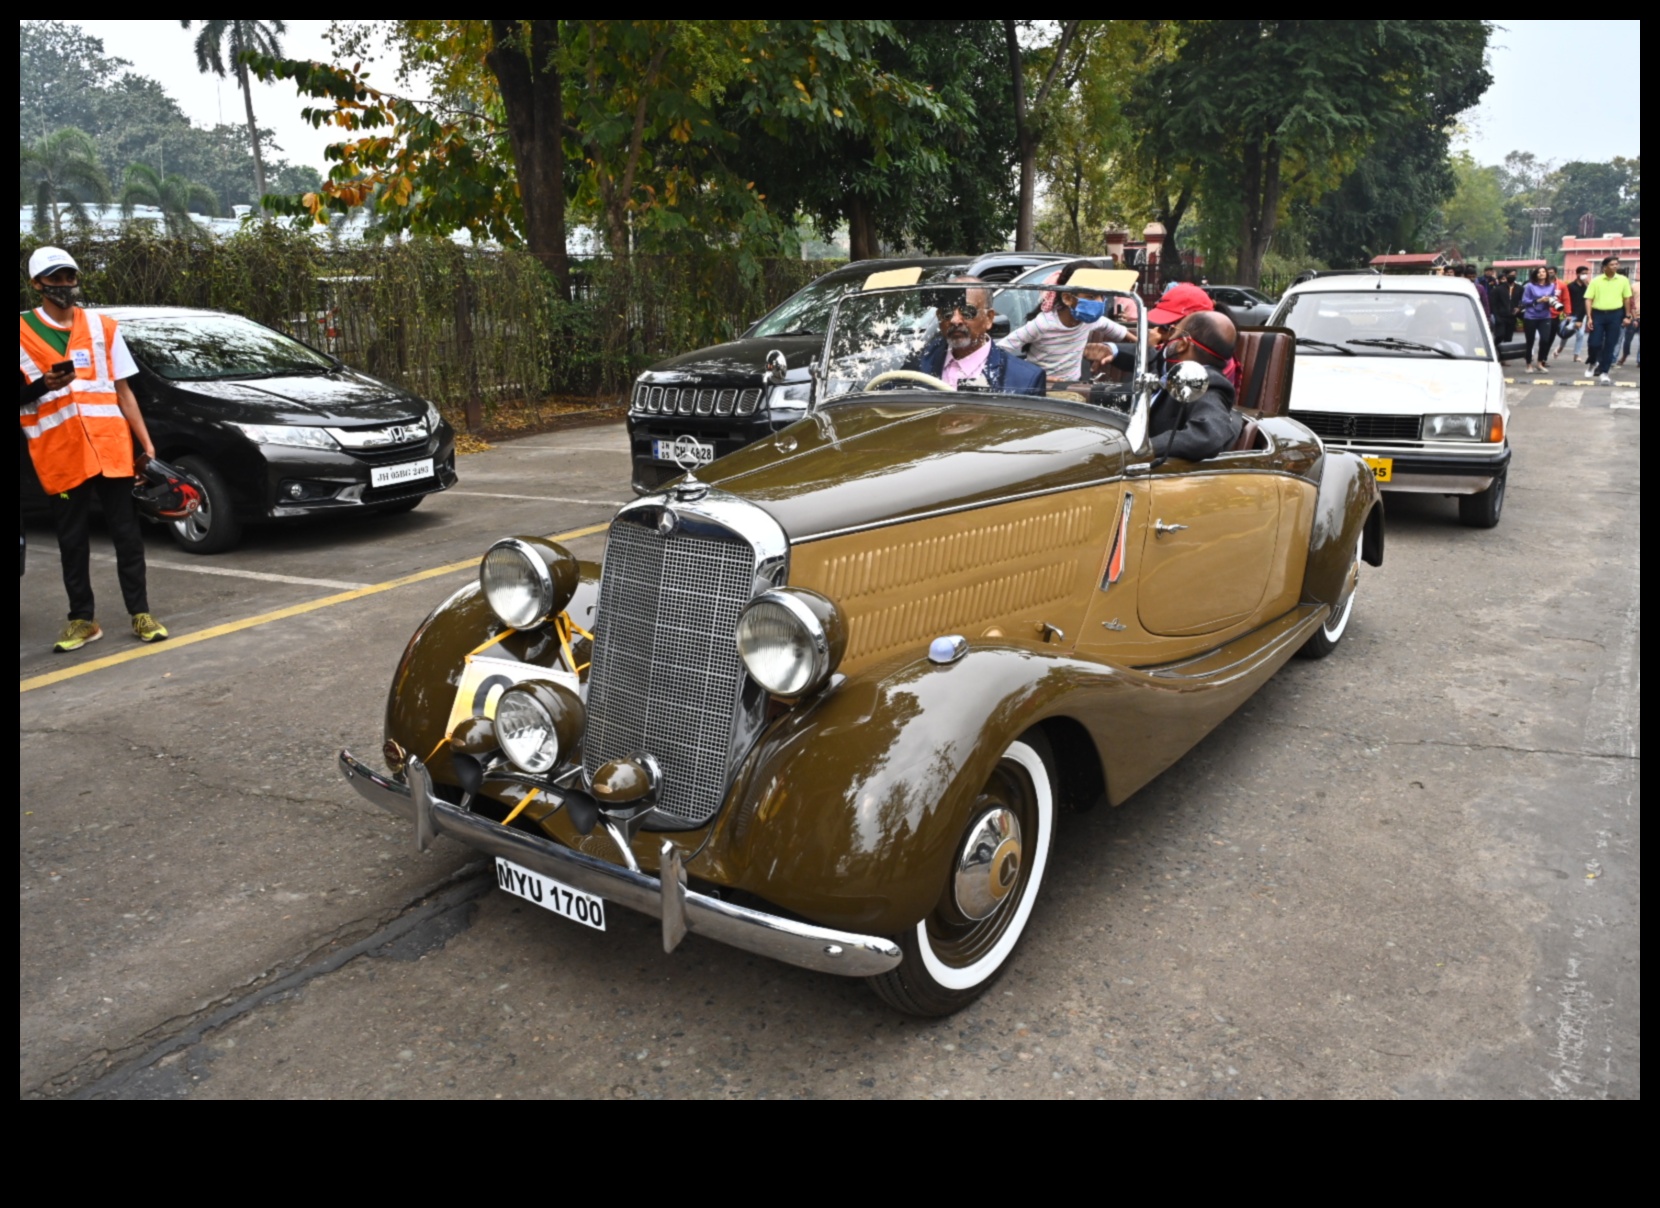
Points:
[[1600, 313]]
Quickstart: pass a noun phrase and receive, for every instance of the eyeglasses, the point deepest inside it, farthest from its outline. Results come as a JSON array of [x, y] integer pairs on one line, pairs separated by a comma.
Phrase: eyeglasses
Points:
[[1188, 336], [966, 309]]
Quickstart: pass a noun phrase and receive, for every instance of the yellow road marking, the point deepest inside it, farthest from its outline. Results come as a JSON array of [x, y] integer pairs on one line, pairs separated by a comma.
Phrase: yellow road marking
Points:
[[265, 618]]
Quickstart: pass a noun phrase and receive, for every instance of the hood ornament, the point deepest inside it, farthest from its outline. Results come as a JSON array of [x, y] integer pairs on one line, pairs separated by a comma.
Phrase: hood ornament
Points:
[[687, 453]]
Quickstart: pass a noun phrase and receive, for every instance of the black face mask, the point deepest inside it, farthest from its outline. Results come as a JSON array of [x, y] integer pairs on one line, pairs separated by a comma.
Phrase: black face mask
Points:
[[61, 295]]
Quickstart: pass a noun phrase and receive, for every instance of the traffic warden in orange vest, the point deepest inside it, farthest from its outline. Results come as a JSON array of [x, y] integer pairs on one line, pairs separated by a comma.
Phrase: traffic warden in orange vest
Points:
[[80, 417]]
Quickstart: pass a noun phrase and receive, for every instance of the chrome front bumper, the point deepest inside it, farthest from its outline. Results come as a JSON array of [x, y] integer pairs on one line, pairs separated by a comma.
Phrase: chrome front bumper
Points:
[[680, 909]]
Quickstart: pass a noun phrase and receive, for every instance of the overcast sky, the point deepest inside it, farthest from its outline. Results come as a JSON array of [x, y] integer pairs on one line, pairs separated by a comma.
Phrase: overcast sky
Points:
[[1542, 99], [1563, 90]]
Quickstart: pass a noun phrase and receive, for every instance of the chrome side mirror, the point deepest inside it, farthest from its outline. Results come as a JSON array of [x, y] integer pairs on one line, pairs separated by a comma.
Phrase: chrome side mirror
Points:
[[777, 366], [1187, 381]]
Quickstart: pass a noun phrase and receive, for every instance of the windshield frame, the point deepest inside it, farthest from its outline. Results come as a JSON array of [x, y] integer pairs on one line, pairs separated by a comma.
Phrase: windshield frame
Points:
[[1143, 384]]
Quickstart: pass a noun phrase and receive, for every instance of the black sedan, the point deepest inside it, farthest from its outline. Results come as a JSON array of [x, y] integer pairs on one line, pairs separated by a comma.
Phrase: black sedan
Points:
[[273, 429]]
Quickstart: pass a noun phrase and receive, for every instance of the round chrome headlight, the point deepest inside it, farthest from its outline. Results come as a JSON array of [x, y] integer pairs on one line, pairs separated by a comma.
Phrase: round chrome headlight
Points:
[[536, 722], [526, 580], [790, 640]]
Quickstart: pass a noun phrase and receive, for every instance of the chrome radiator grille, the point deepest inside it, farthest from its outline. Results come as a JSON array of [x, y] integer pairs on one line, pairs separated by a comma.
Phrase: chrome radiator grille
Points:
[[666, 678]]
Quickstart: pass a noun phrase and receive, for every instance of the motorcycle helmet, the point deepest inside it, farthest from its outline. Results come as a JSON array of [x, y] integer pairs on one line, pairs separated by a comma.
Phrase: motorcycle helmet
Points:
[[164, 492]]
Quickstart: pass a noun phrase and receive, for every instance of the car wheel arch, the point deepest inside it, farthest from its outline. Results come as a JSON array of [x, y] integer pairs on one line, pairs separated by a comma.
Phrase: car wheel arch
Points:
[[809, 818], [1346, 506]]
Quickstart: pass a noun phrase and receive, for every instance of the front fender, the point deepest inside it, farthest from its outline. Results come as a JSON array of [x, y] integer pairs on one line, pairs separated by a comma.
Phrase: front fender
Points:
[[1346, 507], [429, 673], [849, 811]]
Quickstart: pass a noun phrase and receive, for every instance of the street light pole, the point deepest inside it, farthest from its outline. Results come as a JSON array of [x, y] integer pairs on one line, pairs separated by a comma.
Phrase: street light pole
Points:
[[1538, 214]]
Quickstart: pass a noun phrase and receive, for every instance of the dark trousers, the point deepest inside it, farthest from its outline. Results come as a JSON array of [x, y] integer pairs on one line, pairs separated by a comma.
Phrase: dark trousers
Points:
[[1504, 326], [73, 513], [1606, 336], [1542, 330]]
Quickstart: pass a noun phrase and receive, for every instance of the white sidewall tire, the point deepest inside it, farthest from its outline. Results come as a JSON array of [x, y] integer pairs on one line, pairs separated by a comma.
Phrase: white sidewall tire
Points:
[[982, 970], [1334, 628]]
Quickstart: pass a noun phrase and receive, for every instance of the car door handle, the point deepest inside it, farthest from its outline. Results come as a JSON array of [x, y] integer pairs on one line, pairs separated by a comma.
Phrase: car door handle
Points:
[[1160, 528]]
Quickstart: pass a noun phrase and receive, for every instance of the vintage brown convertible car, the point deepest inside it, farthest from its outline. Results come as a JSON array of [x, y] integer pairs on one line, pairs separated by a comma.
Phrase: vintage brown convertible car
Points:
[[827, 697]]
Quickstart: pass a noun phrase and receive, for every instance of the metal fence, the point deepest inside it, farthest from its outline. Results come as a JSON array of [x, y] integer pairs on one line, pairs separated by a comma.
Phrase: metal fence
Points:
[[473, 330]]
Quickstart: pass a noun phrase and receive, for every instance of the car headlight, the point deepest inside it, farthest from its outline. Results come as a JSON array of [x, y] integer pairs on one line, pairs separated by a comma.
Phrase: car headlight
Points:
[[791, 640], [791, 396], [433, 419], [1453, 427], [526, 580], [284, 434], [537, 721]]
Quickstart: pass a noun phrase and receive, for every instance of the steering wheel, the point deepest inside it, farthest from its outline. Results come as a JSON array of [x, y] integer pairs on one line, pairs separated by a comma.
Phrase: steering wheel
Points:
[[906, 375]]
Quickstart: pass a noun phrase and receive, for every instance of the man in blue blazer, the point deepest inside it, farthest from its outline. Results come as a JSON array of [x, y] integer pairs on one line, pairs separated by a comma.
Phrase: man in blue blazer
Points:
[[964, 351]]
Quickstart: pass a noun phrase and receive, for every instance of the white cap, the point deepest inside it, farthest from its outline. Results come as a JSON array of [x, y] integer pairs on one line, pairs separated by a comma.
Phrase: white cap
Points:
[[48, 260]]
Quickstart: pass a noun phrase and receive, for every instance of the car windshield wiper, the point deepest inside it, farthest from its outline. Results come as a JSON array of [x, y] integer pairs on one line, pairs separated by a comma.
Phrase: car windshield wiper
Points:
[[1311, 342], [1413, 345], [798, 331]]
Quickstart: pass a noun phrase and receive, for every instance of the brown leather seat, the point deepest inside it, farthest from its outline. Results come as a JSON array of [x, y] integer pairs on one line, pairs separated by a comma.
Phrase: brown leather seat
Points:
[[1247, 436], [1266, 357]]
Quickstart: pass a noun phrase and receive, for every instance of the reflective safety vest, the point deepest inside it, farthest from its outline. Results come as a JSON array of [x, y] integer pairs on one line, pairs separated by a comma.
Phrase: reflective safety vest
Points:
[[78, 432]]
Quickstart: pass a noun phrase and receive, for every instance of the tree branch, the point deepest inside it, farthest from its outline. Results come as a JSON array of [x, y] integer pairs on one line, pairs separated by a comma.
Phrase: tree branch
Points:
[[1017, 71], [637, 137], [1067, 32]]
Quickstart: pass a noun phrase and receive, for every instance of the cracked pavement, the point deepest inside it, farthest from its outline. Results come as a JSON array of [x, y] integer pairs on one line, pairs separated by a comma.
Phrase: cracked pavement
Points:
[[1410, 870]]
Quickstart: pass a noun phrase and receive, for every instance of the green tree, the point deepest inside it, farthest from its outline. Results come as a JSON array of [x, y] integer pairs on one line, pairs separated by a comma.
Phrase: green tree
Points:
[[1084, 158], [1473, 217], [57, 172], [1270, 112], [934, 176], [1392, 197], [222, 40], [66, 79], [174, 195], [1053, 67], [628, 121], [1607, 191]]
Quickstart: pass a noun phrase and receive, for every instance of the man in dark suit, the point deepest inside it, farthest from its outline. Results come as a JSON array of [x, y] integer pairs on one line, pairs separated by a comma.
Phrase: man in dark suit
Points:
[[1210, 424], [964, 352]]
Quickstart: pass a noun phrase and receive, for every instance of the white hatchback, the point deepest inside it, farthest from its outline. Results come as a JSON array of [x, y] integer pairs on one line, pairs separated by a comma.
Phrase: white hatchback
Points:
[[1403, 371]]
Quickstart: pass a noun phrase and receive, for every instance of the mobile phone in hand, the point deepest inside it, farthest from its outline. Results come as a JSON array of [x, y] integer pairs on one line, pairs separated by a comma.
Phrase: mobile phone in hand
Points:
[[64, 367]]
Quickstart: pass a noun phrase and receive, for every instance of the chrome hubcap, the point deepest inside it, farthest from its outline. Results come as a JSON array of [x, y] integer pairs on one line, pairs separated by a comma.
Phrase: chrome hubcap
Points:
[[988, 866]]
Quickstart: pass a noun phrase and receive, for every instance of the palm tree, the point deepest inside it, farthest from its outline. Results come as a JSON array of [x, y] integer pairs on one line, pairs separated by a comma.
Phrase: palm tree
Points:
[[60, 169], [220, 40], [174, 195]]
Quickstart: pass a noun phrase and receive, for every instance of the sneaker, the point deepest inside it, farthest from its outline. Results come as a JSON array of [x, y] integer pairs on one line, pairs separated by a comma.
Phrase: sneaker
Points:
[[147, 629], [1605, 380], [75, 635]]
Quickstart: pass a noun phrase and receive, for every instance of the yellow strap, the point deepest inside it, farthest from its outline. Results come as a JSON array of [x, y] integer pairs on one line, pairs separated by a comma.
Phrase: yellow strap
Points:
[[562, 626], [500, 637], [520, 808]]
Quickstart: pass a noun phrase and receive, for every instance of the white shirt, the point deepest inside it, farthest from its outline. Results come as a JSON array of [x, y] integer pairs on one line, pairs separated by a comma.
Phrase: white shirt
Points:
[[120, 357], [1054, 347]]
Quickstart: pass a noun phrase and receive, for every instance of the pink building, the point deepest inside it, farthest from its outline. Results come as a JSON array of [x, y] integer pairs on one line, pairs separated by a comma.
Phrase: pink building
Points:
[[1590, 250]]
